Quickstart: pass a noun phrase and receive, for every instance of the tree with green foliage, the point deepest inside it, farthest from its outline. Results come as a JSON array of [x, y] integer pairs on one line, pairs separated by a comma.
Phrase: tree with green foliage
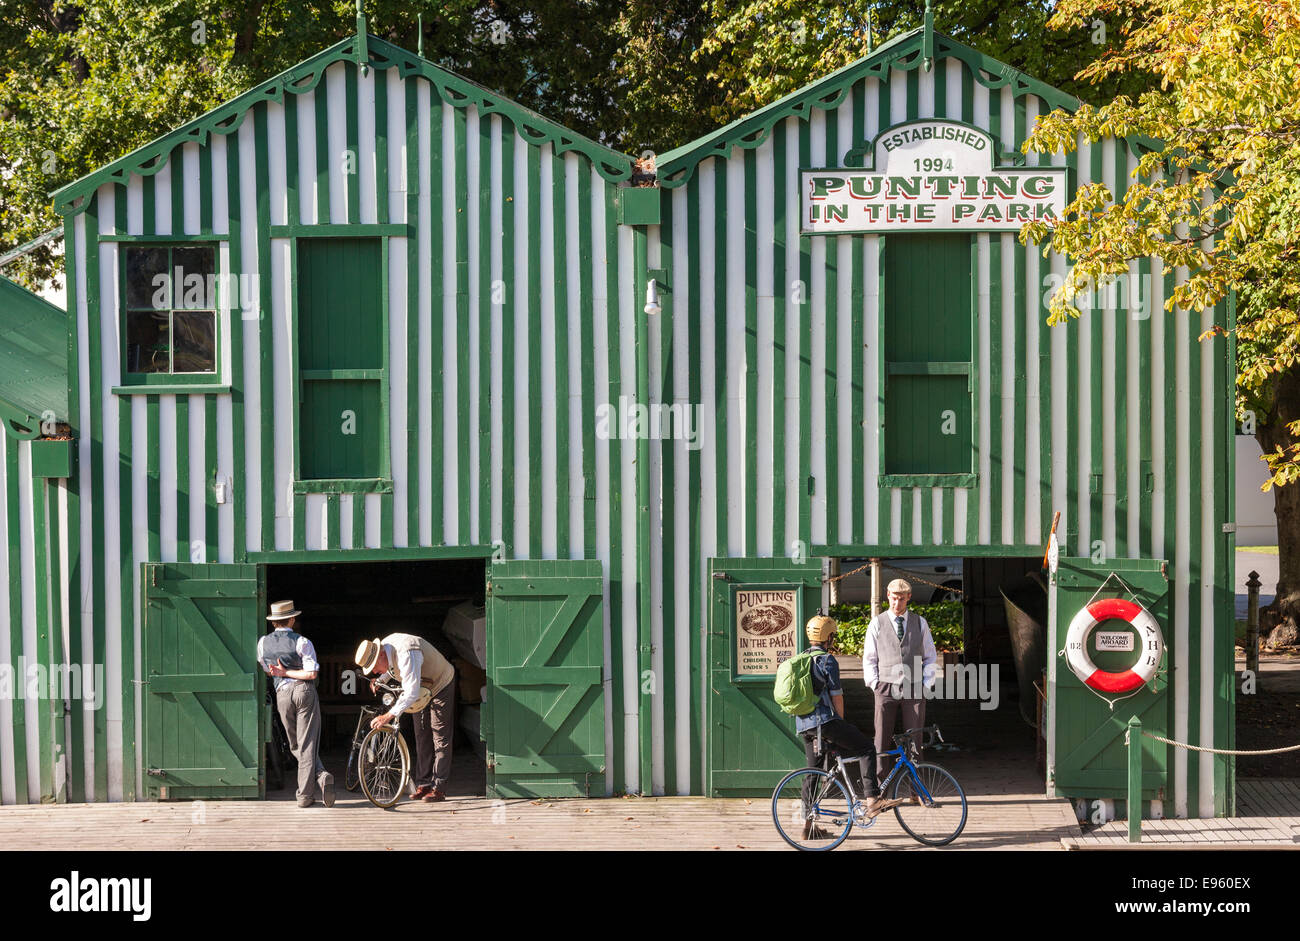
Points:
[[1218, 195]]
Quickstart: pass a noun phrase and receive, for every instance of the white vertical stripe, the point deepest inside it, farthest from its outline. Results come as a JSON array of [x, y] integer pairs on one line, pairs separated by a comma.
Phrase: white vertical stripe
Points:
[[712, 541], [628, 619], [197, 462], [424, 328], [141, 447], [573, 268], [1012, 411], [134, 206], [451, 354], [1211, 445], [281, 386], [897, 101], [336, 131], [168, 494], [64, 549], [374, 536], [399, 437], [549, 481], [226, 473], [367, 178], [895, 516], [248, 323], [277, 163], [190, 186], [1135, 321], [654, 352], [841, 531], [162, 200], [600, 374], [684, 628], [1182, 549], [1062, 401], [795, 339], [220, 190], [347, 506], [1083, 392], [768, 411], [1035, 527], [308, 207], [87, 600], [314, 508], [1109, 400], [1159, 407], [925, 82], [396, 129], [960, 498], [739, 433], [952, 79], [476, 181], [985, 327], [871, 468]]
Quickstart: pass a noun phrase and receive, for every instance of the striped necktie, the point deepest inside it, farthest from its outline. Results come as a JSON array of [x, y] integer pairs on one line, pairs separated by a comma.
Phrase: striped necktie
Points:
[[898, 626]]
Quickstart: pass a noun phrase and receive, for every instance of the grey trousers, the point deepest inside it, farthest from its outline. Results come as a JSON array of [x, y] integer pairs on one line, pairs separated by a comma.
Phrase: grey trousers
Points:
[[299, 709], [886, 712], [433, 734]]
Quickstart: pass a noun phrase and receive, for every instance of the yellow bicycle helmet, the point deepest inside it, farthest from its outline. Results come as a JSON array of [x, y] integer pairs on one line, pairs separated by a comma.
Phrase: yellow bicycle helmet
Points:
[[820, 628]]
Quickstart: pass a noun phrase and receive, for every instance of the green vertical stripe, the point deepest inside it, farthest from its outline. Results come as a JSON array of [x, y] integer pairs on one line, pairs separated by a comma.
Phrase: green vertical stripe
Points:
[[291, 177], [358, 502], [884, 496], [153, 478], [352, 165], [94, 427], [266, 420], [977, 417], [508, 222], [324, 158], [587, 388], [381, 149], [560, 294], [780, 291], [238, 325], [184, 547], [615, 387], [127, 573], [463, 391], [1095, 531], [74, 486], [439, 354], [695, 335], [805, 362], [830, 438], [749, 469], [413, 312], [211, 537], [40, 602], [720, 377], [486, 355], [856, 483], [996, 452], [1144, 409], [177, 160], [1072, 544], [1119, 416], [667, 492], [905, 517], [1189, 330], [10, 447], [1020, 417], [55, 620], [299, 522], [207, 170], [333, 520]]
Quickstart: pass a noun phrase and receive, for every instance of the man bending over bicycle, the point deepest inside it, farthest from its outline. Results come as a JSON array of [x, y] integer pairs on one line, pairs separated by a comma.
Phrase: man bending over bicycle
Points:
[[829, 716]]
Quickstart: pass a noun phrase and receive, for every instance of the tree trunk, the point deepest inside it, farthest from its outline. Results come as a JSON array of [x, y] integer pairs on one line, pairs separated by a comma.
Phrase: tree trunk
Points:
[[1271, 433]]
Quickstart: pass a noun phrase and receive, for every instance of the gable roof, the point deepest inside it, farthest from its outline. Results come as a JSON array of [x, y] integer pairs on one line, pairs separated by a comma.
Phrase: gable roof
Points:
[[905, 52], [33, 360], [363, 49]]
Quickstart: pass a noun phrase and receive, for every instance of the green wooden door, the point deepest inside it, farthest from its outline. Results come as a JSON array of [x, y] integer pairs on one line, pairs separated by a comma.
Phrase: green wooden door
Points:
[[544, 719], [757, 611], [1090, 756], [204, 702]]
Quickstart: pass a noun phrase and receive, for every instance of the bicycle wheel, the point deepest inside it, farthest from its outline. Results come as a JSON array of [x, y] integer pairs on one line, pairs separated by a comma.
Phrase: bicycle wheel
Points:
[[812, 810], [934, 811], [384, 766]]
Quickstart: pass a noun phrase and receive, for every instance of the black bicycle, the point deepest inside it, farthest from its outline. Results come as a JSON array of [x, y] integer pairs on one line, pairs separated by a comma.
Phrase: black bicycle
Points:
[[379, 761]]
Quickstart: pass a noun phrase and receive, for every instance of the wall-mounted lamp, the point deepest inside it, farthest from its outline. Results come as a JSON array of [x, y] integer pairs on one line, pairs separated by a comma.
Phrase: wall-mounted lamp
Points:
[[652, 305]]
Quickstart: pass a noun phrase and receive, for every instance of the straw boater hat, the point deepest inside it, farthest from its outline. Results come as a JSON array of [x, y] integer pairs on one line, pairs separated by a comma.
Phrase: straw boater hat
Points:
[[282, 611], [367, 654]]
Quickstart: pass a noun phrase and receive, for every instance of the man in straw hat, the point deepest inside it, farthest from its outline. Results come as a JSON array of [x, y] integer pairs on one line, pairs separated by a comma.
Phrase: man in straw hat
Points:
[[416, 663], [290, 659], [896, 650]]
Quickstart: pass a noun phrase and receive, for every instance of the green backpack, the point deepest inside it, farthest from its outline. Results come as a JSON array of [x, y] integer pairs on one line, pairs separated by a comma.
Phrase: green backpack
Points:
[[794, 691]]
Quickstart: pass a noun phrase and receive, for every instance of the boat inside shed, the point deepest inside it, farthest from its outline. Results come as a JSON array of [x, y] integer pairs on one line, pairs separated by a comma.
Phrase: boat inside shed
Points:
[[343, 603]]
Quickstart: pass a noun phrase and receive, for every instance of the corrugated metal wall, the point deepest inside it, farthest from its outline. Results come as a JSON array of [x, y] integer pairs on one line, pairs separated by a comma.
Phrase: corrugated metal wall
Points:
[[1118, 419]]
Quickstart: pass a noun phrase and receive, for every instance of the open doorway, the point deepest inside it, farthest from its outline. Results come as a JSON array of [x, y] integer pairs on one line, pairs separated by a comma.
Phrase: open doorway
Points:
[[343, 603], [988, 619]]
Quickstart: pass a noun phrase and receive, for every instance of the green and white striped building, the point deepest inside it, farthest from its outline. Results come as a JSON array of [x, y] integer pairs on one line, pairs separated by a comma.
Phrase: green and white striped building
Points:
[[428, 326]]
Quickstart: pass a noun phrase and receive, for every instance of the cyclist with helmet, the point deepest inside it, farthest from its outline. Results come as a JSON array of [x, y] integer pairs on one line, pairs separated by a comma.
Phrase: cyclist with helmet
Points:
[[851, 741]]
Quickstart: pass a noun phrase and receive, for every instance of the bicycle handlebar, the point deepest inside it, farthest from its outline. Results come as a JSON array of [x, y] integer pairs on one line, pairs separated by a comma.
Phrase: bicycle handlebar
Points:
[[931, 734]]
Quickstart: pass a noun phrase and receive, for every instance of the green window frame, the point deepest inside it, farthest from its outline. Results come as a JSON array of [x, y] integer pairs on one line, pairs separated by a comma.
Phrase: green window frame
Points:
[[326, 376], [199, 321], [928, 301]]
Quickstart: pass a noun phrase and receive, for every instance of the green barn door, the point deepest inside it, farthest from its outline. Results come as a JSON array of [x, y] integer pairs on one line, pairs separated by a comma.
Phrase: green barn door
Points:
[[544, 719], [1090, 756], [203, 691], [757, 612]]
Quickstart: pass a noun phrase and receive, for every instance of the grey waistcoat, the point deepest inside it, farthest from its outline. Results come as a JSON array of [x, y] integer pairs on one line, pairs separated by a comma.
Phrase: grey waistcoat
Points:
[[891, 654]]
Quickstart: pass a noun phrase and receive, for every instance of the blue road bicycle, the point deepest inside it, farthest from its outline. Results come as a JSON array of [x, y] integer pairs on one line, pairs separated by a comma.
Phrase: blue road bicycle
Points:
[[815, 808]]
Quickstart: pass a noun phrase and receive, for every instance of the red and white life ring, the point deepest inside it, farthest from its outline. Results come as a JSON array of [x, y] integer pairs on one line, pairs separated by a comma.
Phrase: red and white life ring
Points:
[[1076, 645]]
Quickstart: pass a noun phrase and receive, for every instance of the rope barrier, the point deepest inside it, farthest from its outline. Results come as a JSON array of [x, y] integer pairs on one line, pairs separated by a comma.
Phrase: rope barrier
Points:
[[1221, 751], [911, 577]]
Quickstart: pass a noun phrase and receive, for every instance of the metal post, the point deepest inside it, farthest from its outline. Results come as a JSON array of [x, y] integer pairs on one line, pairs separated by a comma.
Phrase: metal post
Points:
[[875, 587], [1133, 740], [1252, 624]]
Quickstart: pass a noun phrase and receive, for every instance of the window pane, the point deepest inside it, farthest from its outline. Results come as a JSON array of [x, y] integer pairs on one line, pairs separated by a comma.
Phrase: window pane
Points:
[[928, 425], [146, 341], [195, 341], [193, 269], [145, 267]]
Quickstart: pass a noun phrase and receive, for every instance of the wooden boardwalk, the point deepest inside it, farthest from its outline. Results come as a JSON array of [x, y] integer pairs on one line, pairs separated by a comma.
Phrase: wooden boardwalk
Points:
[[477, 823], [1268, 817]]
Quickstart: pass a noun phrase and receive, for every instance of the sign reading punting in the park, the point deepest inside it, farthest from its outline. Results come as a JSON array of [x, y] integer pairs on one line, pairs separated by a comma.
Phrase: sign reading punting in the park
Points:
[[931, 176]]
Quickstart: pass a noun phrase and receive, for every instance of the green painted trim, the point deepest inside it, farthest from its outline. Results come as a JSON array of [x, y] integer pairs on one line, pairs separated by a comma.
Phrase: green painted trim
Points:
[[483, 326], [161, 389], [560, 307], [299, 510], [857, 343], [720, 339], [805, 366], [333, 525], [1119, 416], [207, 170], [780, 292], [695, 338], [349, 485], [665, 489], [153, 477], [352, 140], [95, 475], [343, 230], [239, 465], [324, 375], [996, 314], [177, 161], [293, 204], [163, 239], [411, 212], [928, 369], [923, 549], [616, 383], [371, 555], [184, 543], [830, 391], [927, 480], [320, 105], [509, 223], [266, 451], [534, 281], [906, 519], [644, 569], [380, 82]]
